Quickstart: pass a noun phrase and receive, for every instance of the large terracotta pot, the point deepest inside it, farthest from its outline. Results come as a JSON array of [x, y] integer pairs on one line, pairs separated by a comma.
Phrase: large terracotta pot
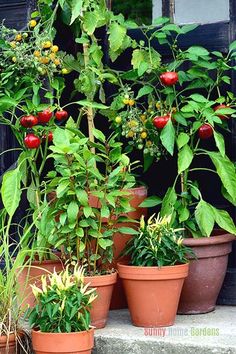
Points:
[[104, 285], [64, 343], [8, 344], [31, 274], [153, 293], [137, 196], [206, 274]]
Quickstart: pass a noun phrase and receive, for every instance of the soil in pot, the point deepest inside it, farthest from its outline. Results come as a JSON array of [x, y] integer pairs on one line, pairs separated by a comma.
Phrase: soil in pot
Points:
[[206, 273], [64, 343], [104, 285], [8, 344], [153, 293], [31, 274]]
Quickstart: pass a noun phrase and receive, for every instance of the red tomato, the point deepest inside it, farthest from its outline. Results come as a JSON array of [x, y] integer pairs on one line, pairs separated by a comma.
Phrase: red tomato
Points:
[[60, 115], [32, 141], [28, 121], [160, 122], [169, 78], [45, 116], [205, 131], [49, 136], [220, 115]]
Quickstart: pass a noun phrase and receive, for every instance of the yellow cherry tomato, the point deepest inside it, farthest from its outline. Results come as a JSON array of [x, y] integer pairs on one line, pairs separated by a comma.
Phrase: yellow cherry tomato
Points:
[[13, 44], [149, 143], [46, 44], [32, 23], [130, 134], [126, 101], [158, 105], [143, 117], [131, 102], [143, 135], [14, 59], [57, 62], [37, 53], [54, 48], [133, 123], [18, 37], [44, 60], [65, 71], [118, 119], [52, 56]]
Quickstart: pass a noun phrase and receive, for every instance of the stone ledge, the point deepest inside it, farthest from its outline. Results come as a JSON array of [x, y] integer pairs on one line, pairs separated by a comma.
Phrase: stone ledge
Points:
[[214, 332]]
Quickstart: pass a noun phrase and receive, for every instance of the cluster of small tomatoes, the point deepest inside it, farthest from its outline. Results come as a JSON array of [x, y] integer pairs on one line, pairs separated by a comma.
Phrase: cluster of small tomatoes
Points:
[[33, 141], [136, 126]]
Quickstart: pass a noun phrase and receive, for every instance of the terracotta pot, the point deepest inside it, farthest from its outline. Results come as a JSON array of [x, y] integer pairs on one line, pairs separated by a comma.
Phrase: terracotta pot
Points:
[[8, 344], [100, 307], [153, 293], [206, 274], [31, 274], [66, 343]]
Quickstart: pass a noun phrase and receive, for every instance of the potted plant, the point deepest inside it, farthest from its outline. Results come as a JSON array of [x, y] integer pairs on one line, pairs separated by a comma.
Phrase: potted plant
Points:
[[60, 320], [91, 202], [154, 277], [178, 109]]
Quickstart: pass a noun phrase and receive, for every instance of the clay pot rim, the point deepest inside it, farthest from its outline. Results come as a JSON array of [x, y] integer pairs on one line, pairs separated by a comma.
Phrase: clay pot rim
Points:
[[57, 259], [177, 271], [10, 338], [102, 280], [211, 240], [91, 330]]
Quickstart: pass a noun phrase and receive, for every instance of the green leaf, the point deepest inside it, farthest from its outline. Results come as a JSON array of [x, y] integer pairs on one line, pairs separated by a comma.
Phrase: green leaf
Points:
[[116, 37], [184, 214], [188, 28], [76, 6], [220, 142], [82, 196], [105, 212], [99, 135], [168, 202], [182, 140], [198, 51], [148, 160], [89, 104], [226, 171], [168, 137], [224, 220], [198, 98], [105, 243], [72, 212], [185, 157], [90, 22], [61, 188], [61, 137], [205, 217], [11, 191], [128, 231], [145, 90], [227, 196], [88, 211], [150, 202]]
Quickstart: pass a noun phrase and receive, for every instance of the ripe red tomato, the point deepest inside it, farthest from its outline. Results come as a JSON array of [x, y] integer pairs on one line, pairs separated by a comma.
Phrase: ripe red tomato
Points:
[[220, 115], [160, 122], [205, 131], [28, 121], [49, 136], [45, 116], [32, 141], [60, 115], [169, 78]]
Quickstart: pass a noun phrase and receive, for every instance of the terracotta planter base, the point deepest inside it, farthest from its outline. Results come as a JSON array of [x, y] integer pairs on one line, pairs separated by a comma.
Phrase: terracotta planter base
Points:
[[153, 293], [104, 285], [63, 343], [206, 274], [8, 345]]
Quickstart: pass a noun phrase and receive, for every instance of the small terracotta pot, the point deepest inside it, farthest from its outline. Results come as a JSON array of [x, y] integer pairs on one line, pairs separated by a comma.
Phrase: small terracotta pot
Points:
[[31, 274], [153, 293], [137, 196], [206, 274], [8, 344], [104, 285], [64, 343]]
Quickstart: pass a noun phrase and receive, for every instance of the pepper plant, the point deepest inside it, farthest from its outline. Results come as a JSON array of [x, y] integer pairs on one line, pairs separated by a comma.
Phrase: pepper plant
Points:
[[167, 108], [91, 197]]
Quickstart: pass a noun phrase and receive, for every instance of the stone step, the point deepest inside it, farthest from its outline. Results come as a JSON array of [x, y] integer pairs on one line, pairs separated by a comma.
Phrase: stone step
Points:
[[210, 333]]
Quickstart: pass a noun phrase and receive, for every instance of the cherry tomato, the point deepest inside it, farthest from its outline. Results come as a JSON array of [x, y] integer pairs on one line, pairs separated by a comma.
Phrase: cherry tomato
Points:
[[205, 131], [28, 121], [49, 136], [32, 141], [220, 106], [160, 122], [45, 116], [60, 115], [169, 78]]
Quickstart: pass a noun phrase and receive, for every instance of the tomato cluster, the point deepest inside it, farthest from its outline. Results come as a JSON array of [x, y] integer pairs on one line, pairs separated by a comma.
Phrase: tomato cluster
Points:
[[31, 140]]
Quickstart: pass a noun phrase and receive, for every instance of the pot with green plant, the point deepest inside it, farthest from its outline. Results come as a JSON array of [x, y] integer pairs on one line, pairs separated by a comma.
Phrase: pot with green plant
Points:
[[91, 201], [154, 277], [180, 110], [60, 320]]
